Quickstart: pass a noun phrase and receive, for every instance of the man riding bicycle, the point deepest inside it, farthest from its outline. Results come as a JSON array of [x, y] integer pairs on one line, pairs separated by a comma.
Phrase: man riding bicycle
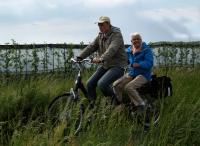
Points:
[[110, 46]]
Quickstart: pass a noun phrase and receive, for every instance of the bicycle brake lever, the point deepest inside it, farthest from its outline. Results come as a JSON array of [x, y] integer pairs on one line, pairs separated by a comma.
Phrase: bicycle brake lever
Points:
[[73, 60]]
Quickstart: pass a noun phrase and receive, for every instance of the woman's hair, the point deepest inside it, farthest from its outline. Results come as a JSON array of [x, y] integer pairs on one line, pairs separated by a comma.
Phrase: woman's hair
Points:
[[132, 35]]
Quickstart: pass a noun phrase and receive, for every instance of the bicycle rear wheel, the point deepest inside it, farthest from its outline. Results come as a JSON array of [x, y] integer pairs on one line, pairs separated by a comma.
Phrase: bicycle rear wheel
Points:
[[152, 116]]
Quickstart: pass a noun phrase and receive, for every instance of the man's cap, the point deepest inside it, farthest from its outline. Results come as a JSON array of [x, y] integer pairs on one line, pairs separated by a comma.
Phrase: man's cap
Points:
[[103, 19]]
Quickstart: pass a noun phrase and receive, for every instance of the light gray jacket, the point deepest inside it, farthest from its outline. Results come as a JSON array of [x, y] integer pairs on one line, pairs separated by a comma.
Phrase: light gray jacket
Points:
[[110, 47]]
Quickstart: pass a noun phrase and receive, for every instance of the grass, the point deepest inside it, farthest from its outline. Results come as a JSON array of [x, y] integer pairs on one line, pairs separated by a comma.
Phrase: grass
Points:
[[23, 105]]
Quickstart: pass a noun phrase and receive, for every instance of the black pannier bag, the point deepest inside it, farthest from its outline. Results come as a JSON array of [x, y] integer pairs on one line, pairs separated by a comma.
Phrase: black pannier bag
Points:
[[160, 87]]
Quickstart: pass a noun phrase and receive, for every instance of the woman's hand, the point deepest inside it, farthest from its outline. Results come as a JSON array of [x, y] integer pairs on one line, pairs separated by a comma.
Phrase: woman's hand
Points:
[[135, 65]]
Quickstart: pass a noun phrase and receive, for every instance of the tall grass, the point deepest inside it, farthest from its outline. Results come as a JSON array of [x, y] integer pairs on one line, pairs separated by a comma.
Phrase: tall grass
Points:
[[23, 106]]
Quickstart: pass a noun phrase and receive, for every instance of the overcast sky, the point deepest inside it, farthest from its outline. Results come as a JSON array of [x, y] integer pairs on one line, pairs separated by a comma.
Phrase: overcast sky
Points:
[[72, 21]]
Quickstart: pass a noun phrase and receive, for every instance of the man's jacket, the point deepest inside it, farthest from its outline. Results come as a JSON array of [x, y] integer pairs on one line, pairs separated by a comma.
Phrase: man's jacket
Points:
[[110, 47]]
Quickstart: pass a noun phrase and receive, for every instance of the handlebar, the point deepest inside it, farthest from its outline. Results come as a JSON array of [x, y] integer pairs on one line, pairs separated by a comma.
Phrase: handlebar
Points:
[[73, 60]]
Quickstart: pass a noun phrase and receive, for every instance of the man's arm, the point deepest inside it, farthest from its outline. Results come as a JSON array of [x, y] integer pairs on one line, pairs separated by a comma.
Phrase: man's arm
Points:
[[91, 48]]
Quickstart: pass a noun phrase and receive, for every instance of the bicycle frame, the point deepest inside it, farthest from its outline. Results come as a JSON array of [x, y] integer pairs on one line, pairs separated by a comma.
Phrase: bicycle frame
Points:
[[153, 113], [78, 82]]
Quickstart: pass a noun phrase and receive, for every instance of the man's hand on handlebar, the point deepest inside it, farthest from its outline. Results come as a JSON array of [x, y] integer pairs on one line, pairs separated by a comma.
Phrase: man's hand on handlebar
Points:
[[97, 60], [78, 58]]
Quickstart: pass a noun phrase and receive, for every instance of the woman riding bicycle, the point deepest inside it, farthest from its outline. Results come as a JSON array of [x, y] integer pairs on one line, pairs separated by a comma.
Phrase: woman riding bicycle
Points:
[[140, 59]]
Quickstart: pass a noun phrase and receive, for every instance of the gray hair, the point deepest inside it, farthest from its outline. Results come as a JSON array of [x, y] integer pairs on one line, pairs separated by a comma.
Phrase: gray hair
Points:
[[135, 34]]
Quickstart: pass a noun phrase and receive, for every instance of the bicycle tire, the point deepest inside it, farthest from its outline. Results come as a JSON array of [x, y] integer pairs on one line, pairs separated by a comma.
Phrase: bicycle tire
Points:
[[151, 116], [57, 107], [63, 108]]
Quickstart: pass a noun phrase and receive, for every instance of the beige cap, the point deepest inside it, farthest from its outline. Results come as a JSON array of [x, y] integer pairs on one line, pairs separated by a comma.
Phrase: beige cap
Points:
[[103, 19]]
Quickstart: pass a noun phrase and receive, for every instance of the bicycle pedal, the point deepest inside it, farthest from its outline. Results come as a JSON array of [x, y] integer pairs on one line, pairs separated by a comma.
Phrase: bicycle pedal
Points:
[[133, 114], [146, 128], [104, 117]]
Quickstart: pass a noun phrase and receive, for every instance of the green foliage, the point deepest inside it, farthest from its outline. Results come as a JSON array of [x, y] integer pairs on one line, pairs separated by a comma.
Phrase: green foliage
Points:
[[6, 57], [35, 60], [45, 59], [16, 58], [68, 55], [23, 108], [13, 60]]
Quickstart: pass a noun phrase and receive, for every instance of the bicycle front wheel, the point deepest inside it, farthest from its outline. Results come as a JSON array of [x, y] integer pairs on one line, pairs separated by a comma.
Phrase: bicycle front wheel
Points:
[[59, 108], [64, 109]]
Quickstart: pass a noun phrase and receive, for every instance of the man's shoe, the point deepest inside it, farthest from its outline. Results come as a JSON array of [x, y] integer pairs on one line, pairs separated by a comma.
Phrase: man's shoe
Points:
[[146, 127], [140, 109], [115, 101], [91, 105]]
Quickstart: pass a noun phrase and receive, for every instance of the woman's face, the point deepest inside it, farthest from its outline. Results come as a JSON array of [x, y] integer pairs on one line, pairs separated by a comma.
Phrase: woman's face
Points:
[[136, 41]]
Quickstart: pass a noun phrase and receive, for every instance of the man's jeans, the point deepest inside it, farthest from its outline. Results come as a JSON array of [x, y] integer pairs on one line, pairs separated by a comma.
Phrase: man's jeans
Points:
[[103, 78]]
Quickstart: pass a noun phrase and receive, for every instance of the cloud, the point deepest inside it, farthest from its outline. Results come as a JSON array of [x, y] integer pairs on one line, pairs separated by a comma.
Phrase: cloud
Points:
[[51, 31], [20, 5], [16, 6], [177, 21], [73, 21], [107, 3], [188, 14]]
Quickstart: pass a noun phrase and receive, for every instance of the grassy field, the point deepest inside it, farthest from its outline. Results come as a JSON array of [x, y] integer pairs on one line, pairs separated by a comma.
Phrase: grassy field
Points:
[[23, 105]]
